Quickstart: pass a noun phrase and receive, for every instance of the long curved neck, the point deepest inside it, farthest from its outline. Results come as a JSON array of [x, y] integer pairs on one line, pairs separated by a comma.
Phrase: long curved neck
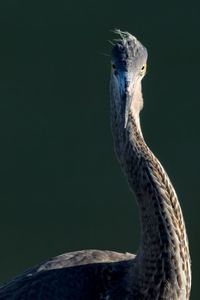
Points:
[[163, 260]]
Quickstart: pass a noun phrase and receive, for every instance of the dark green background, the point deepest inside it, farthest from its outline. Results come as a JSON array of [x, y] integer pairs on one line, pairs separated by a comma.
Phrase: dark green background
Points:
[[61, 188]]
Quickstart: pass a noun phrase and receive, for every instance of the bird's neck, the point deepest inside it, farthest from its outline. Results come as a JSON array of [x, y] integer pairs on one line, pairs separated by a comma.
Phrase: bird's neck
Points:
[[163, 255], [163, 261]]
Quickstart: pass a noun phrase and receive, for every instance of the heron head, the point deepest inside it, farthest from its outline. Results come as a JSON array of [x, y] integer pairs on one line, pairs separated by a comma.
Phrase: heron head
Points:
[[128, 67]]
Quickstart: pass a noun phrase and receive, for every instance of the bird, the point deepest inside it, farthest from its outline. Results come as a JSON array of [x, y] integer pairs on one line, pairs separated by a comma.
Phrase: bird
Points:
[[161, 268]]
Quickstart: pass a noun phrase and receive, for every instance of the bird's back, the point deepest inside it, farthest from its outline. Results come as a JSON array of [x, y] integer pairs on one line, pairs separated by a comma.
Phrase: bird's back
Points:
[[90, 274]]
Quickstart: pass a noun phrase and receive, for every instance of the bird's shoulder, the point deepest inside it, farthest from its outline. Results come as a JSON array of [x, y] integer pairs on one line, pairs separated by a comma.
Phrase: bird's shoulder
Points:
[[71, 274], [83, 257]]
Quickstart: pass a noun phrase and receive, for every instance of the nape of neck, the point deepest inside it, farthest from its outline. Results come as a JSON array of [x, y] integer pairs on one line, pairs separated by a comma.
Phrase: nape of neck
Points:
[[163, 260]]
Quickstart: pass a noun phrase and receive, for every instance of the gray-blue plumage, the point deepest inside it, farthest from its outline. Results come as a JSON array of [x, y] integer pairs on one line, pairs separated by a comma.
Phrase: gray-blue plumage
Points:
[[81, 275]]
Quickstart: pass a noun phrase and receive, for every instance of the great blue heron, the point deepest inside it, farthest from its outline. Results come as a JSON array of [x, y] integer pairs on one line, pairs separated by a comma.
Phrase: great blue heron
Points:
[[161, 268]]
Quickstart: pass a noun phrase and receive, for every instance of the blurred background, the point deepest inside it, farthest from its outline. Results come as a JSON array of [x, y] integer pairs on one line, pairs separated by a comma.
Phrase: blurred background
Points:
[[61, 188]]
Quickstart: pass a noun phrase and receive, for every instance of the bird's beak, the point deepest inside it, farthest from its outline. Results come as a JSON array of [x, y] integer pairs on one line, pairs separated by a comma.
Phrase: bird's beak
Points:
[[127, 88], [128, 101]]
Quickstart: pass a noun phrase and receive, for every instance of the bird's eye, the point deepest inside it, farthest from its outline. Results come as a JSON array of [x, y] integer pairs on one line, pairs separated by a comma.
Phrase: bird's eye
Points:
[[114, 69], [143, 69], [113, 66]]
